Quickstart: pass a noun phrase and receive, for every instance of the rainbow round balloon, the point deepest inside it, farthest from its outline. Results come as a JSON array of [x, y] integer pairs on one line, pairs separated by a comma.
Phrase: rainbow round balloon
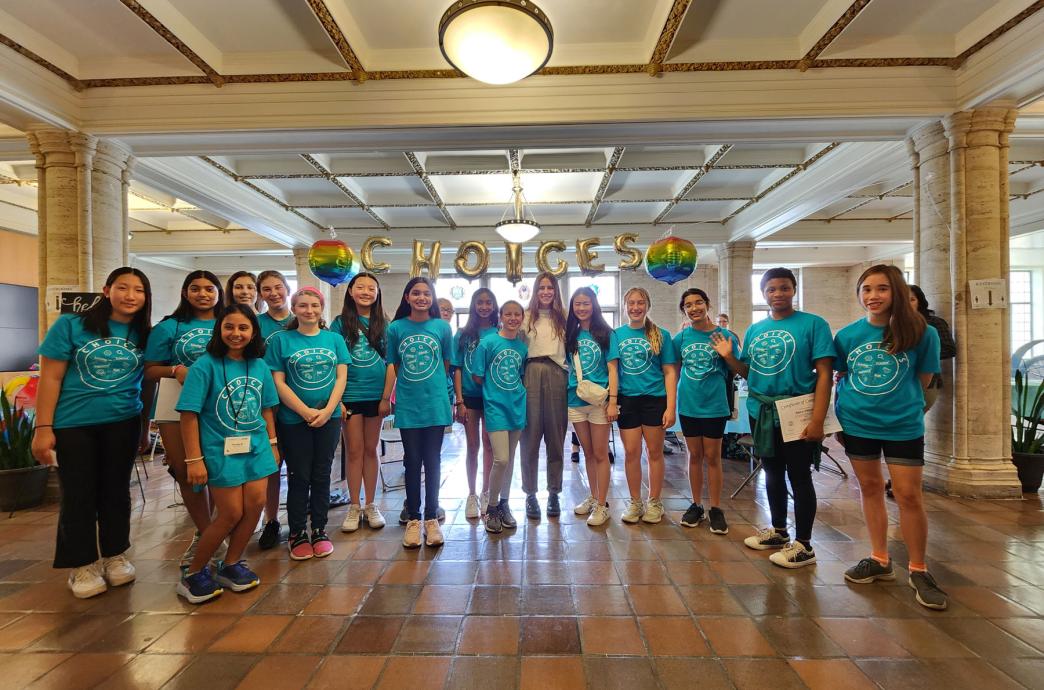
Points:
[[331, 261], [670, 259]]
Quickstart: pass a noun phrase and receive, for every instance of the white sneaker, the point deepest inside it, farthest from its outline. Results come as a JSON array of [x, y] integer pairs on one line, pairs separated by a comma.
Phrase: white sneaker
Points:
[[766, 539], [433, 533], [634, 512], [793, 555], [86, 581], [351, 520], [118, 570], [373, 516], [599, 516], [412, 538], [585, 506], [653, 511], [190, 552], [471, 507]]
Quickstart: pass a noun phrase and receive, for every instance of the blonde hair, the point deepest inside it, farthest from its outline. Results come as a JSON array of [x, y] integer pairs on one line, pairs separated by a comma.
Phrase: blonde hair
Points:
[[301, 292], [652, 331]]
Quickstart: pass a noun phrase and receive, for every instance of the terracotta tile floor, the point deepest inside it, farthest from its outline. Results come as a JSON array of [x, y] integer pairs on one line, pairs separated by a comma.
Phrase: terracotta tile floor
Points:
[[553, 605]]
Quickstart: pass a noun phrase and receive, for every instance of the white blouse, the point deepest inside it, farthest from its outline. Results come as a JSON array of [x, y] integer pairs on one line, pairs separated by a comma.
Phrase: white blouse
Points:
[[542, 341]]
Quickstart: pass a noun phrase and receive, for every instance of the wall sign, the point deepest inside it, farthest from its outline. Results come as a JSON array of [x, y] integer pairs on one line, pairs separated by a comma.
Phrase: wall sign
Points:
[[989, 294], [78, 302]]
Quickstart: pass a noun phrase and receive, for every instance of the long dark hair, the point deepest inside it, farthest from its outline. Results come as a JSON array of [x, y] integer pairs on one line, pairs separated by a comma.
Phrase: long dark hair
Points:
[[255, 349], [350, 323], [96, 319], [470, 333], [905, 324], [699, 293], [185, 311], [922, 301], [405, 309], [230, 296], [599, 329], [557, 316]]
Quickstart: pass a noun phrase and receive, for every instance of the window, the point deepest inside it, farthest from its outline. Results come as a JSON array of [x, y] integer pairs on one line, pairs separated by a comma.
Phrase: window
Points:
[[1020, 301], [504, 291], [457, 290], [757, 298]]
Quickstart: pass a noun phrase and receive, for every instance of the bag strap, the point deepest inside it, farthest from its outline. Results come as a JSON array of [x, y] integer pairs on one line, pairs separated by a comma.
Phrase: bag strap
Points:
[[578, 367]]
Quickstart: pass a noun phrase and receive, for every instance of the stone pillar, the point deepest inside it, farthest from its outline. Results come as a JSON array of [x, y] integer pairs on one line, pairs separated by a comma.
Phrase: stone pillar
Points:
[[82, 210], [961, 234], [305, 278], [735, 264]]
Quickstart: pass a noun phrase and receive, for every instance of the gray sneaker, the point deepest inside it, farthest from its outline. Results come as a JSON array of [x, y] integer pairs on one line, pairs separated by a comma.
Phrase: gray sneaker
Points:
[[532, 507], [554, 509], [928, 593], [868, 570], [493, 523], [506, 518]]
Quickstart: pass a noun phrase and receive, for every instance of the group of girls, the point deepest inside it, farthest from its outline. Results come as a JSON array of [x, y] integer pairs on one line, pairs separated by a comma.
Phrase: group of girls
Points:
[[255, 385]]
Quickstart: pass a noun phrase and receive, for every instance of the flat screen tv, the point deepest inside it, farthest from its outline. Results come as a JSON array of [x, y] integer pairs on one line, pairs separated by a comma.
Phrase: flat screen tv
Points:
[[18, 327]]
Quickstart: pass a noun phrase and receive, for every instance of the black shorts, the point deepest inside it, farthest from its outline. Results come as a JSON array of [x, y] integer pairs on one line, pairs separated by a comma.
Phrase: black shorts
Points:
[[641, 410], [909, 453], [473, 402], [707, 427], [367, 408]]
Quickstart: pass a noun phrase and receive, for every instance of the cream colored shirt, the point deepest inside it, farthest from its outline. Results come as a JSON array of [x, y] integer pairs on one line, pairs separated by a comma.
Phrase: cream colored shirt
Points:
[[542, 341]]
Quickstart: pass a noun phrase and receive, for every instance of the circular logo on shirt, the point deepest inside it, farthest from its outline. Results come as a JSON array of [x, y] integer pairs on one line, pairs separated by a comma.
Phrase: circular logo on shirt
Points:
[[105, 362], [312, 368], [192, 344], [698, 361], [469, 357], [419, 355], [238, 405], [874, 371], [506, 370], [771, 352], [362, 354], [635, 355], [590, 354]]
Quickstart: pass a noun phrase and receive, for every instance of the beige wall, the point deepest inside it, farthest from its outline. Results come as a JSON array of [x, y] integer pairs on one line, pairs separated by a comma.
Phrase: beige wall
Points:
[[20, 259]]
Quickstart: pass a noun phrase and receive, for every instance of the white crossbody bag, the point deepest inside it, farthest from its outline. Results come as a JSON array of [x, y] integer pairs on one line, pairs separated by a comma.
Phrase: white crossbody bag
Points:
[[588, 391]]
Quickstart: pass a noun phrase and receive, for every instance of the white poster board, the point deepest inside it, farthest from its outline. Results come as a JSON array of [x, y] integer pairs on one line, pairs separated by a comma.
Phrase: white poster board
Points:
[[166, 399], [795, 414]]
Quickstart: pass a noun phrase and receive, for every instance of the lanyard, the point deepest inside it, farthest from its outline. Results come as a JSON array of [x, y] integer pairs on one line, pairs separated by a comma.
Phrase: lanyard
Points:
[[242, 399]]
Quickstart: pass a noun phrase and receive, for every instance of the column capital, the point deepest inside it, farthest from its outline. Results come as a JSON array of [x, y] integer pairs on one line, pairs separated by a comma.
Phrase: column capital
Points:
[[59, 147], [113, 158], [989, 125], [926, 142], [733, 249]]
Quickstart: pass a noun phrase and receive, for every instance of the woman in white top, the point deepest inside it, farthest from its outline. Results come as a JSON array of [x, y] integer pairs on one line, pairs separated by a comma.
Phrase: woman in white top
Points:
[[545, 381]]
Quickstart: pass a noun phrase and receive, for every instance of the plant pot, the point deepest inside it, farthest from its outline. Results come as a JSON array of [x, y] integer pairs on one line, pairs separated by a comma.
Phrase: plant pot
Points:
[[1031, 470], [23, 487]]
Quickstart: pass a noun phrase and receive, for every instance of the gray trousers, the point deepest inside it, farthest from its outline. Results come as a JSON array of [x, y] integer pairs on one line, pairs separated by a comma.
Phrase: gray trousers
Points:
[[505, 443], [547, 420]]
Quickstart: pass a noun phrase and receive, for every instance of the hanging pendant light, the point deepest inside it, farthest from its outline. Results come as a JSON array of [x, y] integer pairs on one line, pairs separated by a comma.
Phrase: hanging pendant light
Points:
[[496, 41], [517, 229]]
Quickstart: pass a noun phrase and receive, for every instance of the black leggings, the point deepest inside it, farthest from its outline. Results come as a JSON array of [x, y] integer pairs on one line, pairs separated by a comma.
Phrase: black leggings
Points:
[[794, 461], [94, 469], [309, 457], [422, 448]]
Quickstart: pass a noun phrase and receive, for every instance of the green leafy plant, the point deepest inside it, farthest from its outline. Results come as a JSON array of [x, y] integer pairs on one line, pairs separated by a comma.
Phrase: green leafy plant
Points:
[[17, 436], [1026, 436]]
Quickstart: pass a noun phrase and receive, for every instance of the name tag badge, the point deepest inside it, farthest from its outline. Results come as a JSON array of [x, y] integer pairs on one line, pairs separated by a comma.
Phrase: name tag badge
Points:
[[235, 445]]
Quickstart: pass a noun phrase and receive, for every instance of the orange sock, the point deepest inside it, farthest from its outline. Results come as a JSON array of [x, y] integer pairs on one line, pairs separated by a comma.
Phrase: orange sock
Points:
[[918, 567], [883, 560]]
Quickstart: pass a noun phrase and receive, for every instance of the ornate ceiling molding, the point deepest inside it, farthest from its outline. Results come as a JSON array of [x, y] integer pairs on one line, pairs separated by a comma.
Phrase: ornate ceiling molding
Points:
[[607, 176], [179, 45], [846, 18], [782, 181], [46, 64], [670, 29], [311, 160], [687, 187], [989, 38], [418, 168], [340, 41]]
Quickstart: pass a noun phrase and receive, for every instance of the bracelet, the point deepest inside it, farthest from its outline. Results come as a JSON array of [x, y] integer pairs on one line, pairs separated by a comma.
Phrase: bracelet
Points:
[[43, 426], [189, 461], [273, 441]]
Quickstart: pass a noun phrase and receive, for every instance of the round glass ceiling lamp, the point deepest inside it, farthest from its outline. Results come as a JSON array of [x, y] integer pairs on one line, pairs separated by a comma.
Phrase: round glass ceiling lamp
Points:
[[496, 41], [517, 229]]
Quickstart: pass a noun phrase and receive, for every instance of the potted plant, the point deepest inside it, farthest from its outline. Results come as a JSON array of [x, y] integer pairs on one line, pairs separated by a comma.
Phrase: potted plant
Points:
[[22, 480], [1027, 437]]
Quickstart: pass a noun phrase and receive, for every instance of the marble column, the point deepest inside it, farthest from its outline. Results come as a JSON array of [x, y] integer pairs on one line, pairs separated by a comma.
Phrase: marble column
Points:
[[305, 278], [82, 210], [961, 234], [735, 264]]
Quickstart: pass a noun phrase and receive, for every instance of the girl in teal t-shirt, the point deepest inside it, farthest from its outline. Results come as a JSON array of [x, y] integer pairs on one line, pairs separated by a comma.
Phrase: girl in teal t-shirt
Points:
[[176, 343], [888, 360], [500, 360], [482, 321], [310, 367], [591, 342], [89, 421], [648, 389], [419, 347], [362, 325], [228, 430], [703, 404]]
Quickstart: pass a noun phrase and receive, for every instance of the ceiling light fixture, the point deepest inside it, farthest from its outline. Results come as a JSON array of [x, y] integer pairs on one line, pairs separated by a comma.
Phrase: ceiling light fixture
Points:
[[496, 41], [518, 229]]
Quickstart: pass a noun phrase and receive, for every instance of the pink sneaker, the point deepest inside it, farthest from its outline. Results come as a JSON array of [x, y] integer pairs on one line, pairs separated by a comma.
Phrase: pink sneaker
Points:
[[321, 544], [300, 547]]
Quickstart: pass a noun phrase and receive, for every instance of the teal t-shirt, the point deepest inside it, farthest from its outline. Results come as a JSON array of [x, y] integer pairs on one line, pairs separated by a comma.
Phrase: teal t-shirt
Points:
[[500, 362], [309, 363], [641, 370], [594, 361], [102, 382], [270, 326], [880, 396], [781, 355], [420, 350], [702, 385], [229, 396], [464, 359], [179, 342], [366, 367]]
